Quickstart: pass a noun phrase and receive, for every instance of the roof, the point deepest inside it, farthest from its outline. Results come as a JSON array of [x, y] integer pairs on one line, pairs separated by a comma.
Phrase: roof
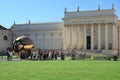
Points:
[[38, 26], [92, 13], [3, 28]]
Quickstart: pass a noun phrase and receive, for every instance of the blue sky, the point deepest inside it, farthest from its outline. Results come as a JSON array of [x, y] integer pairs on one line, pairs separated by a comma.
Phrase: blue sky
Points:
[[39, 11]]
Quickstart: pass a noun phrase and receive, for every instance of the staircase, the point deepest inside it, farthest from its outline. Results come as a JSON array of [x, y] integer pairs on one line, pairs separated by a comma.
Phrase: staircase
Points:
[[87, 52]]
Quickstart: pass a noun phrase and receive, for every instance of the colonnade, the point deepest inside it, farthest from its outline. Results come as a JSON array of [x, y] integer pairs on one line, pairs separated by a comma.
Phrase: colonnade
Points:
[[80, 41]]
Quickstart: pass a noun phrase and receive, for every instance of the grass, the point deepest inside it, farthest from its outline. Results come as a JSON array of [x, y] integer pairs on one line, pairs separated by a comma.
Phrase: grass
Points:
[[60, 70]]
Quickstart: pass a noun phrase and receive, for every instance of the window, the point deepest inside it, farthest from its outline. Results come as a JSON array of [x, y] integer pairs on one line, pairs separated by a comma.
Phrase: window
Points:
[[5, 37]]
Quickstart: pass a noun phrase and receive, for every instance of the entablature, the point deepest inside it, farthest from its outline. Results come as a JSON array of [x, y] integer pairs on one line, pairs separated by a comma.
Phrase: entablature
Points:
[[96, 20]]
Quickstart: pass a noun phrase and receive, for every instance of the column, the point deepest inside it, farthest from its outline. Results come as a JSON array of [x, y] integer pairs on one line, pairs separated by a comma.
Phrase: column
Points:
[[106, 36], [61, 41], [113, 36], [99, 37], [44, 41], [92, 37], [84, 37], [71, 29], [52, 41], [77, 40], [36, 40], [64, 46]]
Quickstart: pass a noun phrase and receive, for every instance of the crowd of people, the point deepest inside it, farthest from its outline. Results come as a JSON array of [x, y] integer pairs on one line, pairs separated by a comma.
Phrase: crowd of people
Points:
[[42, 54], [39, 54]]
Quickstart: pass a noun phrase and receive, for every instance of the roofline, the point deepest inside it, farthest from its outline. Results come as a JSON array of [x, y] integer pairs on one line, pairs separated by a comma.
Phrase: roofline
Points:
[[3, 28], [91, 10], [38, 23]]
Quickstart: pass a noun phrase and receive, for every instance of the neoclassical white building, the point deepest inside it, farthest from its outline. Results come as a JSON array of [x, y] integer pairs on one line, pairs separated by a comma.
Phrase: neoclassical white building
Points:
[[94, 30], [91, 30]]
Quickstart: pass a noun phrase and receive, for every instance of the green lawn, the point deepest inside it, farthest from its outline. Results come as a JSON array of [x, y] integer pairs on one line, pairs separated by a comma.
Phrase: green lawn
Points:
[[60, 70]]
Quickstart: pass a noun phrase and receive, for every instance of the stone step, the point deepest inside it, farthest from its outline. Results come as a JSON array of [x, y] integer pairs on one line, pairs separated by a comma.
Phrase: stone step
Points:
[[87, 52]]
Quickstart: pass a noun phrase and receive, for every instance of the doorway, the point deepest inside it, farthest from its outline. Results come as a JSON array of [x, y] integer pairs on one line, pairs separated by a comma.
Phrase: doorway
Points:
[[88, 42]]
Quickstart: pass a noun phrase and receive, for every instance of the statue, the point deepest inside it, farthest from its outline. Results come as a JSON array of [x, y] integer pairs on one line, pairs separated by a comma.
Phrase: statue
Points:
[[65, 10], [14, 23], [112, 6], [99, 7], [29, 22], [78, 9]]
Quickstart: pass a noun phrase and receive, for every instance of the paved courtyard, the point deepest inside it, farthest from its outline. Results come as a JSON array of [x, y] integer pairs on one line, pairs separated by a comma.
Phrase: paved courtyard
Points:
[[4, 60]]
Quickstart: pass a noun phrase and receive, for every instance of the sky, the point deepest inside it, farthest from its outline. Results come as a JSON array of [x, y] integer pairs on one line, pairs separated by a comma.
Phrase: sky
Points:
[[39, 11]]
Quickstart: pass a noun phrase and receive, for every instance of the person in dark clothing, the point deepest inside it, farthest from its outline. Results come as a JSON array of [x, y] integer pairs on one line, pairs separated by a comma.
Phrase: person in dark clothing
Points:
[[53, 54], [73, 56], [8, 56], [56, 54], [28, 53], [44, 55], [40, 54], [22, 55], [47, 55], [115, 57], [62, 55]]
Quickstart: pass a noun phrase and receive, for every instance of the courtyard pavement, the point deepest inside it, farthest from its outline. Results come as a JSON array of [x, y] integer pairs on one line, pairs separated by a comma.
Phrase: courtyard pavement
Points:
[[5, 60]]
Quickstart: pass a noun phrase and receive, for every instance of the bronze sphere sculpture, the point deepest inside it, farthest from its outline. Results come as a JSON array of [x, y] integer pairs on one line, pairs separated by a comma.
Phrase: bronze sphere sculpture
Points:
[[22, 43]]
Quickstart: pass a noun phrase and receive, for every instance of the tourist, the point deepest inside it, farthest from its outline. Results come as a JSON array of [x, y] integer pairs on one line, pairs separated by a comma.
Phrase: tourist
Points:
[[73, 56], [115, 57], [44, 55], [62, 55], [49, 54], [28, 53], [56, 54], [40, 54], [22, 55], [11, 54], [8, 56], [36, 52], [53, 54], [34, 55]]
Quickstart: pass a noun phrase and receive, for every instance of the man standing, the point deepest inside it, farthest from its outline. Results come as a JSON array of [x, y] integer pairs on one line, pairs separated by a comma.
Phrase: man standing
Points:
[[9, 55], [62, 55]]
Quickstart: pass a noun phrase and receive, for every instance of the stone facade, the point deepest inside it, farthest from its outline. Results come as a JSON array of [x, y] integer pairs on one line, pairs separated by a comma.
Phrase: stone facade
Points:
[[98, 25], [44, 35], [5, 38], [91, 30]]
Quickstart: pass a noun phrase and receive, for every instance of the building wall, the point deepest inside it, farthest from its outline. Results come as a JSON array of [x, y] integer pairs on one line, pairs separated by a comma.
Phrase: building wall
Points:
[[4, 44], [78, 20], [44, 35], [118, 36]]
